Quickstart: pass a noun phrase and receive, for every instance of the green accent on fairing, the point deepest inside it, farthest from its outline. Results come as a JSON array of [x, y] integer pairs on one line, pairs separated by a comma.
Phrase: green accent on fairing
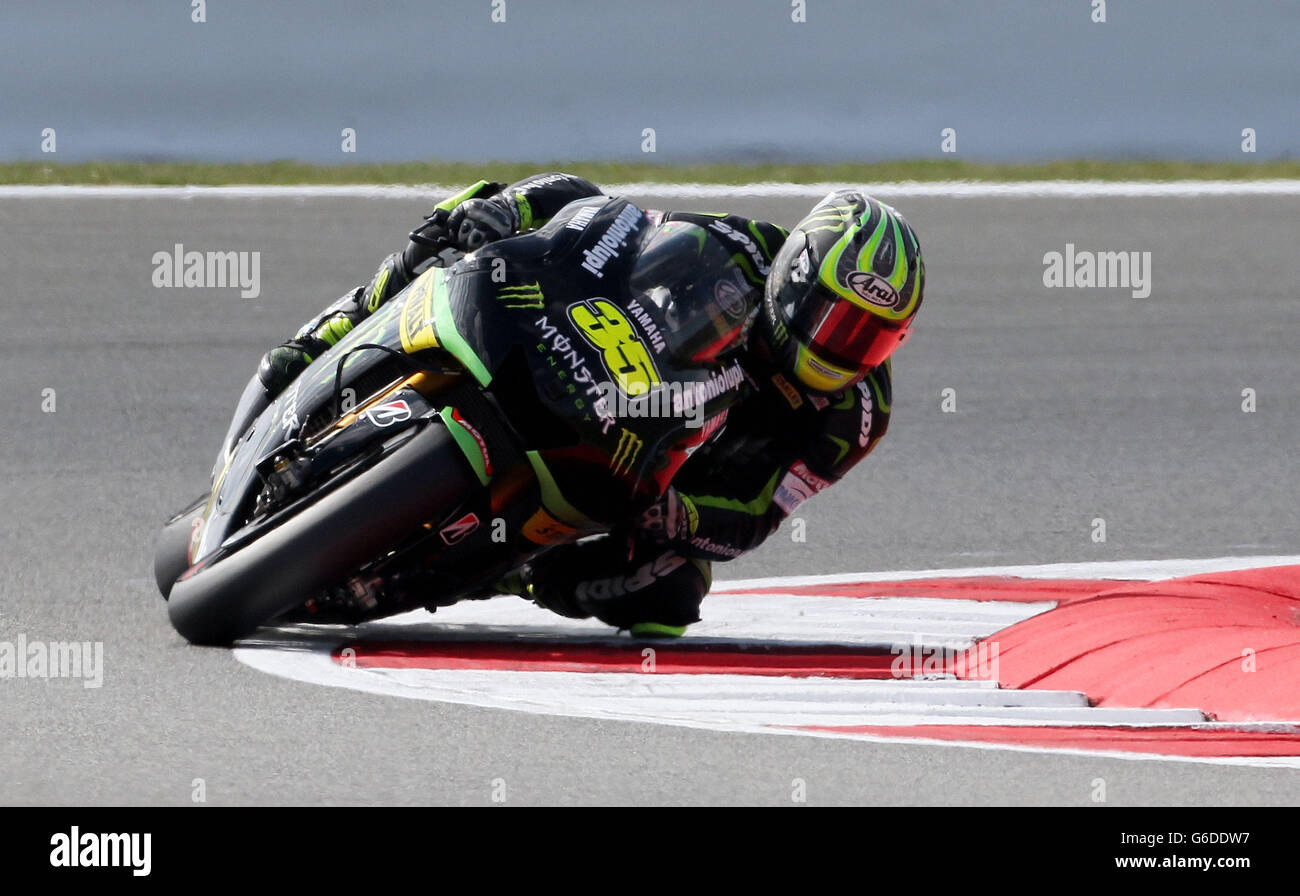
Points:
[[758, 235], [756, 507], [525, 212], [467, 444], [333, 330], [468, 193], [844, 448], [553, 500], [656, 630], [444, 324], [376, 297]]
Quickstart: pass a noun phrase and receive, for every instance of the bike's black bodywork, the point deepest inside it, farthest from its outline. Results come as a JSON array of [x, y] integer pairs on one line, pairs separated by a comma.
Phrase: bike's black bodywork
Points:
[[485, 414]]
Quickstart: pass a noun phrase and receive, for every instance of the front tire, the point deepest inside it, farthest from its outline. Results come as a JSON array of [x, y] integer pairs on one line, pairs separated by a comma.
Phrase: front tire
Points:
[[422, 480], [171, 553]]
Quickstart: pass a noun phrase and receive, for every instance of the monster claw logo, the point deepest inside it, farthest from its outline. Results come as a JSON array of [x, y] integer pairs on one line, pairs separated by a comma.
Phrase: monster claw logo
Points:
[[523, 297], [625, 455]]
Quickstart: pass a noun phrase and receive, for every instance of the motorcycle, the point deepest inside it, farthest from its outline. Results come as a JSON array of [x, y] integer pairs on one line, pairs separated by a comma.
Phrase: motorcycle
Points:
[[538, 391]]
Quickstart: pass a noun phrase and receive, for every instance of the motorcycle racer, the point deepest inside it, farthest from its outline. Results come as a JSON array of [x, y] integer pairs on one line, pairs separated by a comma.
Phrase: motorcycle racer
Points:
[[840, 292]]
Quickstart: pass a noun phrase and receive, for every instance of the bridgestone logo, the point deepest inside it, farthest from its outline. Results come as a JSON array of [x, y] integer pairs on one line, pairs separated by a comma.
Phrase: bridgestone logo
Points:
[[612, 240]]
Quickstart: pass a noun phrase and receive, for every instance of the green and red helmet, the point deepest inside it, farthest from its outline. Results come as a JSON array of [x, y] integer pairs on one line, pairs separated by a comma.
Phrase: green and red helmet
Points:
[[843, 291]]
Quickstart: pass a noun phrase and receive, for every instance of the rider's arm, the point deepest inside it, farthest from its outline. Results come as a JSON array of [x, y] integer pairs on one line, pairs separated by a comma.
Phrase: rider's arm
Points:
[[523, 205], [755, 242], [537, 199], [734, 515]]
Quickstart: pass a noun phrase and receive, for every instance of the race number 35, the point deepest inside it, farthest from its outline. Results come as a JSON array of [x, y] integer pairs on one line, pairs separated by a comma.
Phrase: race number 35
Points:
[[626, 359]]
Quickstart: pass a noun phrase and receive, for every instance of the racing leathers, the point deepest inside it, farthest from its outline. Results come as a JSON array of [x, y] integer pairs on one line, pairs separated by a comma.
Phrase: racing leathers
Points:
[[780, 443]]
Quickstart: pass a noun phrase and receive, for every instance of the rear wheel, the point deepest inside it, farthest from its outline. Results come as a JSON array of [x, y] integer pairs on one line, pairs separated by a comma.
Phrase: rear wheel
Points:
[[329, 540]]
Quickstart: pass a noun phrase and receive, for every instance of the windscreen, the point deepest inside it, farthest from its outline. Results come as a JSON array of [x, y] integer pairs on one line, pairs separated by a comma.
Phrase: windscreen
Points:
[[697, 288]]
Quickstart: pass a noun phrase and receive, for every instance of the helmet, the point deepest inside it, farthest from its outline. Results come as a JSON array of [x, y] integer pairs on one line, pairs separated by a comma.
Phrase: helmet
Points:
[[843, 291]]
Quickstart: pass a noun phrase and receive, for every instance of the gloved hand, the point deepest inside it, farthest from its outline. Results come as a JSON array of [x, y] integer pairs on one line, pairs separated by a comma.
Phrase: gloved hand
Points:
[[666, 519], [476, 222], [283, 363]]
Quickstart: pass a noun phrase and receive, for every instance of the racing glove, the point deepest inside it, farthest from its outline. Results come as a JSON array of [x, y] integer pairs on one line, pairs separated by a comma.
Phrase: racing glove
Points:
[[476, 222], [283, 363], [666, 519]]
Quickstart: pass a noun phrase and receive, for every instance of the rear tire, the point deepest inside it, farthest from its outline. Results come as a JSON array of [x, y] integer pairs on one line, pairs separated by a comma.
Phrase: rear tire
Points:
[[422, 480]]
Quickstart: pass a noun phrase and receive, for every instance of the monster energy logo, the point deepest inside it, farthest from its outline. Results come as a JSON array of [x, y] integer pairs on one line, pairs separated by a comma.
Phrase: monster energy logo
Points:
[[527, 295], [629, 448]]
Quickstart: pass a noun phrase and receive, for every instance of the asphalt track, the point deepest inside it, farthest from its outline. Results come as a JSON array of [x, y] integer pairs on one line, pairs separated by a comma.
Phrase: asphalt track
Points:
[[1070, 405]]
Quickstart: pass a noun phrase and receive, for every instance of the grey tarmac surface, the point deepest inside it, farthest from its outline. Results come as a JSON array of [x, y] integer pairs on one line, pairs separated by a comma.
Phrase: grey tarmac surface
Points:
[[1070, 405]]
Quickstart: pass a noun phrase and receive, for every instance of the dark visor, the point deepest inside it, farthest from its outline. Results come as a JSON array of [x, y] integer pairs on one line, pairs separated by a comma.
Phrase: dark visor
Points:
[[840, 332]]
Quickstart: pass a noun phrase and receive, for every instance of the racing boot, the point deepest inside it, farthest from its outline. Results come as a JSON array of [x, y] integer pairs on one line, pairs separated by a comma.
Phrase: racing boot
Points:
[[651, 592]]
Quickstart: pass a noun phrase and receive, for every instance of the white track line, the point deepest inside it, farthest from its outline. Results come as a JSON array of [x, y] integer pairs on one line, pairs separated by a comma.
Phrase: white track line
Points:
[[1144, 570], [300, 662], [1072, 189], [761, 704]]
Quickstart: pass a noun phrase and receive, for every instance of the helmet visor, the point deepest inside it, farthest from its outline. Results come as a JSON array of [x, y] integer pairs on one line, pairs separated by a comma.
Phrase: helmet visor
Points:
[[841, 332]]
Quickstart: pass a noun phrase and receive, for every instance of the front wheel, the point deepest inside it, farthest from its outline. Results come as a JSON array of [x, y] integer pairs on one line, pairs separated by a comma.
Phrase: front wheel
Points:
[[171, 552], [329, 540]]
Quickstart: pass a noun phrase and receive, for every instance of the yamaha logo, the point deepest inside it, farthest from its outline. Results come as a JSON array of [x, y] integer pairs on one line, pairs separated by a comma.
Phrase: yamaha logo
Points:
[[875, 289]]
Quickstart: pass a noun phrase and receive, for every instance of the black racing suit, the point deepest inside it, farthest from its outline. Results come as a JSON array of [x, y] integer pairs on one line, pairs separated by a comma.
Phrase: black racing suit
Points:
[[780, 445]]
